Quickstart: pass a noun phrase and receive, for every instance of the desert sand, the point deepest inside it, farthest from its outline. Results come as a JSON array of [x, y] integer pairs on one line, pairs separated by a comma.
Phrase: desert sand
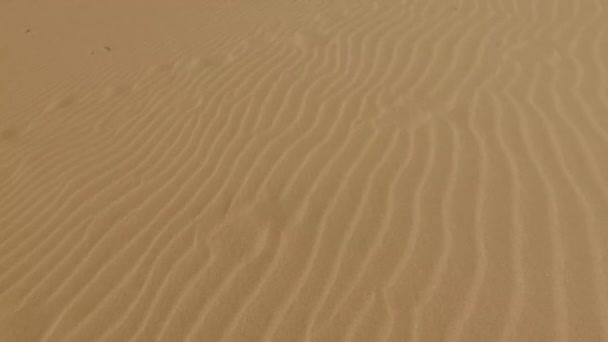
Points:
[[231, 170]]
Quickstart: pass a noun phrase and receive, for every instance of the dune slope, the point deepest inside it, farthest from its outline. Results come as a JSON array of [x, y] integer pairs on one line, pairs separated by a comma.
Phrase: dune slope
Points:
[[230, 170]]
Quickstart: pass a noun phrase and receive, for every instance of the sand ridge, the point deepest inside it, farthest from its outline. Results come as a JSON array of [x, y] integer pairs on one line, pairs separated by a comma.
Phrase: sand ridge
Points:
[[228, 170]]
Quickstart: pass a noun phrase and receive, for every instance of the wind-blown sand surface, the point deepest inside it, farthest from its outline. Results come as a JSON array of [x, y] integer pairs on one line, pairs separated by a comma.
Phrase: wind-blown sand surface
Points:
[[231, 170]]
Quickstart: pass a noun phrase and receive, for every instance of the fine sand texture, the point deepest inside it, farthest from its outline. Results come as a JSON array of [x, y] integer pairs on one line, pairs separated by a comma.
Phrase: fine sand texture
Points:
[[303, 170]]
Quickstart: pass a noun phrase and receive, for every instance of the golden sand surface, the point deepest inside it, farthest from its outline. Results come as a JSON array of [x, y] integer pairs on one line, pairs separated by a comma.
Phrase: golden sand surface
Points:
[[303, 170]]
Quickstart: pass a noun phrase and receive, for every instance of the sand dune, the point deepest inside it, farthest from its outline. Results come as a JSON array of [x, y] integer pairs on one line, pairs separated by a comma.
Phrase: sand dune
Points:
[[229, 170]]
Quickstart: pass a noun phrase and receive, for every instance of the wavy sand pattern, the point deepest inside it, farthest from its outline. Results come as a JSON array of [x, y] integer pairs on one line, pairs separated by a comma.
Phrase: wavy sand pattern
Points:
[[230, 170]]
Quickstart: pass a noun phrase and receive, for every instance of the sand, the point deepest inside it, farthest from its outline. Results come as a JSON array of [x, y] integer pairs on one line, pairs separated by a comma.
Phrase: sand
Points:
[[231, 170]]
